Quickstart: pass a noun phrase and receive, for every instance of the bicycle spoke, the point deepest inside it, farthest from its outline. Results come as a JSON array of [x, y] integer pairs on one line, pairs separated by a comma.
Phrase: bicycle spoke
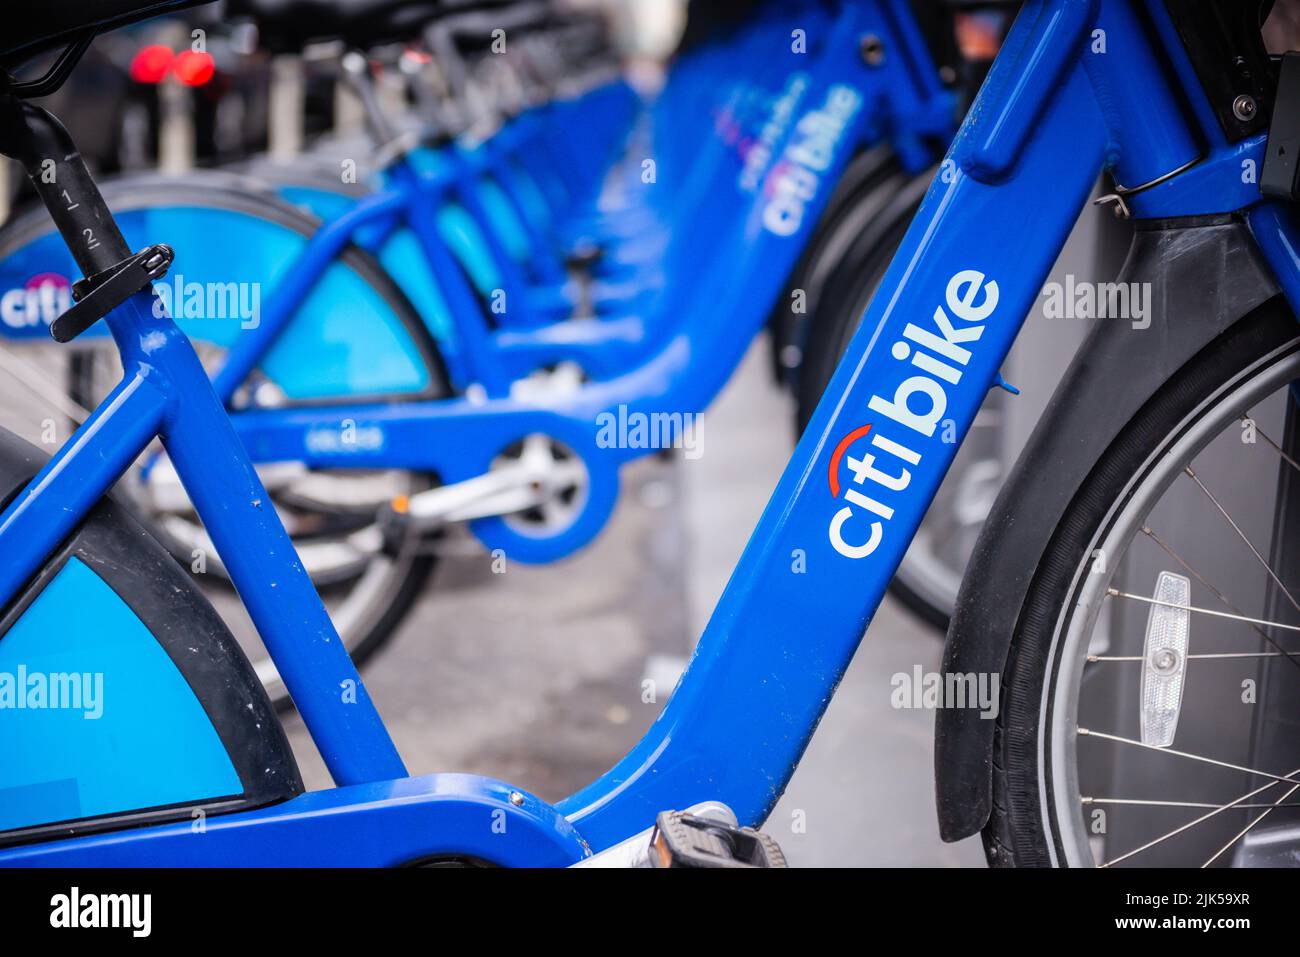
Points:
[[1242, 535], [1191, 824], [1246, 830], [1260, 432], [1161, 818], [1153, 803], [36, 382], [1116, 593], [1084, 732], [1221, 654], [1147, 530]]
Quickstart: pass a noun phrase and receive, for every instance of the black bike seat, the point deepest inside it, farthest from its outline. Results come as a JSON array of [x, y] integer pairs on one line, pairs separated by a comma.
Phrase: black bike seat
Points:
[[289, 25], [47, 24]]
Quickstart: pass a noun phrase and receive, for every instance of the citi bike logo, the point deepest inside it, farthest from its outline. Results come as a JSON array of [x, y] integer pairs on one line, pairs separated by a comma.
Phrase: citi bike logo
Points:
[[758, 151], [932, 359], [44, 298], [796, 179]]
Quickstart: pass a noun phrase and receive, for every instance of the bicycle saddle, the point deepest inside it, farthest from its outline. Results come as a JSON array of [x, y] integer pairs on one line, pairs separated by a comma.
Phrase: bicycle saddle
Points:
[[287, 26], [48, 24]]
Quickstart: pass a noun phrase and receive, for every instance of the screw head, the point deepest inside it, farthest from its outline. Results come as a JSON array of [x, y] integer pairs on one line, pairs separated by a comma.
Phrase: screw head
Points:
[[1244, 107], [1164, 661], [872, 49], [516, 799]]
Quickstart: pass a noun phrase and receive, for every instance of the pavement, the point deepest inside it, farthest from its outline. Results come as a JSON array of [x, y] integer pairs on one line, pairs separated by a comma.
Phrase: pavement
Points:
[[534, 675]]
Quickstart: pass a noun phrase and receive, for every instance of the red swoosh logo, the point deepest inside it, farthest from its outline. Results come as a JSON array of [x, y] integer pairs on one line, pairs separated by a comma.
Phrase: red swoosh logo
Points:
[[834, 472]]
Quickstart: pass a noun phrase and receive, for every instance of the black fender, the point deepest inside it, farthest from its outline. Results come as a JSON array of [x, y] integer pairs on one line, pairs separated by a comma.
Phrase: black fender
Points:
[[1205, 274], [144, 575]]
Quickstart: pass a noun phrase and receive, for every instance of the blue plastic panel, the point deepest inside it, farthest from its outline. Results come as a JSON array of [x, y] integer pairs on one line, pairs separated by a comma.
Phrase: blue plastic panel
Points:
[[344, 339], [94, 717]]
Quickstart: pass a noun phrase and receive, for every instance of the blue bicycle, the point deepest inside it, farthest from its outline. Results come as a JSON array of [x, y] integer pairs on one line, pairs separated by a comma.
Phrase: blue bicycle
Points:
[[1043, 608], [391, 304]]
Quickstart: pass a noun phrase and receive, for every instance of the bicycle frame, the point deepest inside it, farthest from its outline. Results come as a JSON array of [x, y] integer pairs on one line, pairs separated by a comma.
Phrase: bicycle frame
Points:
[[668, 369], [671, 368], [846, 507]]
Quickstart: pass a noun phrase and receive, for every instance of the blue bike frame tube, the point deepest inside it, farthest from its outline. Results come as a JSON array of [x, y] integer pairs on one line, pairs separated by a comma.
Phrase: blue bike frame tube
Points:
[[930, 346], [945, 315], [687, 359], [317, 256], [276, 590], [61, 494], [166, 393]]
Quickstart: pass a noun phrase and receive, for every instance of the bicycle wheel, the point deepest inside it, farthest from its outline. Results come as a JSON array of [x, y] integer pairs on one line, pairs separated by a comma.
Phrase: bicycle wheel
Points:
[[1147, 704], [928, 578], [369, 578]]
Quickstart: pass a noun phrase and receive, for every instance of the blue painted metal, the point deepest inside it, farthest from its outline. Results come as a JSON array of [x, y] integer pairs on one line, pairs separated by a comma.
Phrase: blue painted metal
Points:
[[1274, 228], [675, 361], [846, 508], [166, 393], [857, 486], [342, 338], [379, 824]]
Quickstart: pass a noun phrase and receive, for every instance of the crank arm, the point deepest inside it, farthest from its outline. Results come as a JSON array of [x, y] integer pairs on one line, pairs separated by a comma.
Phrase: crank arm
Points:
[[503, 491]]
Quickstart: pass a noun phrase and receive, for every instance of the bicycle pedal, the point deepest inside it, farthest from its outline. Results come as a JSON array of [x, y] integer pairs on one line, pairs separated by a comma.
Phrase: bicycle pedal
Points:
[[681, 839], [394, 522]]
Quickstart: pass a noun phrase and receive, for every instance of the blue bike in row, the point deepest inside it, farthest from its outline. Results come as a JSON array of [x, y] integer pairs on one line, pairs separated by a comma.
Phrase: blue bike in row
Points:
[[498, 298], [1091, 611]]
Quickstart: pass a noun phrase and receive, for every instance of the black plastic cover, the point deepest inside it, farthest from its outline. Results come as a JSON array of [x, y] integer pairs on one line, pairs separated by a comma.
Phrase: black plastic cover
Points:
[[1278, 177]]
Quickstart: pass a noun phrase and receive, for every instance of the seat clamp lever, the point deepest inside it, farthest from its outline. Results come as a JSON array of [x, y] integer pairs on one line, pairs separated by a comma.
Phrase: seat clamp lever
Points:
[[98, 295]]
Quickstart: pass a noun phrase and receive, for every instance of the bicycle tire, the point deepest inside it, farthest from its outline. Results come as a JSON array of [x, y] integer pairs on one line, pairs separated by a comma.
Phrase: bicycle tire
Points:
[[1020, 830]]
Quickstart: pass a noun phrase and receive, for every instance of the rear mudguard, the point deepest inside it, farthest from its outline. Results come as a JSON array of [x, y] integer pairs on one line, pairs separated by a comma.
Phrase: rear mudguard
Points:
[[1204, 275]]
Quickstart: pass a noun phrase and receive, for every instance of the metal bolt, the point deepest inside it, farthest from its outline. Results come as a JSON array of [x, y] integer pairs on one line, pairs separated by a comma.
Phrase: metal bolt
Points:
[[516, 799], [873, 50], [1165, 661], [1244, 107]]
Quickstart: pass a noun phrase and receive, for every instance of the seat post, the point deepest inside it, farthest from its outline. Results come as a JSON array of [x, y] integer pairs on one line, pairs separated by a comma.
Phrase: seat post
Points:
[[35, 137]]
